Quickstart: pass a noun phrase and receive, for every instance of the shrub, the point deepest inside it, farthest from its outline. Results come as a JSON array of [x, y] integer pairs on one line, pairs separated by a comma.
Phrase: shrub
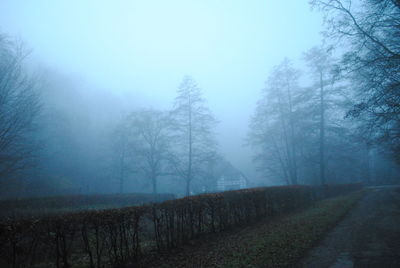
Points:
[[112, 237]]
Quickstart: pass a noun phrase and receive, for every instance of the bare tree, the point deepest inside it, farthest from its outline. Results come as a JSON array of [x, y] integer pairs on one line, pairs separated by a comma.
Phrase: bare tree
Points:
[[370, 30], [273, 127], [19, 105], [193, 126], [321, 66], [150, 140], [120, 143]]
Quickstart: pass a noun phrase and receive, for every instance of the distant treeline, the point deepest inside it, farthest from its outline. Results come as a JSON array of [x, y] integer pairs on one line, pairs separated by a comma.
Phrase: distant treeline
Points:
[[59, 204], [113, 237]]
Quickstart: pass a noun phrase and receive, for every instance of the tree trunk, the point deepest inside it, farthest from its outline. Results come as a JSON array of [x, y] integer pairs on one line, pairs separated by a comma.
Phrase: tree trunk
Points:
[[121, 179], [122, 170], [154, 182], [187, 187], [322, 132], [369, 164], [121, 185], [289, 157], [292, 142], [189, 174]]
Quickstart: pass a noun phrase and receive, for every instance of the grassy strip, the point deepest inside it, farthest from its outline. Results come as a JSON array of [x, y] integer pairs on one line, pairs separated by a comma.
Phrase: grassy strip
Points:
[[284, 242]]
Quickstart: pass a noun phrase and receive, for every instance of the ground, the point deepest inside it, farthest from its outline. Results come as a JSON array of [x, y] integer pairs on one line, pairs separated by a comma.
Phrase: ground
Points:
[[368, 237]]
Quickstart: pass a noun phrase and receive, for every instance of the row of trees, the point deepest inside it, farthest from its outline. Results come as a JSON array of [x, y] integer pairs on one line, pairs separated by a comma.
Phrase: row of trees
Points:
[[180, 142], [295, 126], [49, 138], [341, 124], [349, 110], [19, 106], [370, 32]]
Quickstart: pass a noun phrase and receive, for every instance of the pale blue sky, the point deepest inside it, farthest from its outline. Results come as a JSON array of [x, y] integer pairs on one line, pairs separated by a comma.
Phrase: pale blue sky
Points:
[[145, 48]]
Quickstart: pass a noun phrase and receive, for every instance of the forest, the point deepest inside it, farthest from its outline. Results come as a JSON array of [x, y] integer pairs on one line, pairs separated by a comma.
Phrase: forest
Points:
[[333, 120]]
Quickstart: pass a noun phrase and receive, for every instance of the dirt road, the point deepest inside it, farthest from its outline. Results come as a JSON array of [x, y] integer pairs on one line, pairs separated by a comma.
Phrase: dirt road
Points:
[[368, 237]]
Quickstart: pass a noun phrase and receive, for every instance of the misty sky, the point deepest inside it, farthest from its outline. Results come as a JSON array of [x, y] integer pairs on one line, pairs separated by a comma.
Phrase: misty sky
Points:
[[144, 48]]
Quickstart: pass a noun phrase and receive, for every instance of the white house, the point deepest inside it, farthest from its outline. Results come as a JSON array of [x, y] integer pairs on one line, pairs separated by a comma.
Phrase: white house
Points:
[[231, 183]]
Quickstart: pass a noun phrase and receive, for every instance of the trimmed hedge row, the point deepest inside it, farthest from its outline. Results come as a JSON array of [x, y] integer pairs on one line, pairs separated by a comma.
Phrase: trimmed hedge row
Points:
[[113, 237]]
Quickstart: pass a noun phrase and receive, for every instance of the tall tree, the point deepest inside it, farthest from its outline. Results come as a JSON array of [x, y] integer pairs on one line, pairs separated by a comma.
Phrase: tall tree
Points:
[[150, 143], [193, 126], [321, 68], [273, 127], [19, 106], [370, 32], [121, 137]]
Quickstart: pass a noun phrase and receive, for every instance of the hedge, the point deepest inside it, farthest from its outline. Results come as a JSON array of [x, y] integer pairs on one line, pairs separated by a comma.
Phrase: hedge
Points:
[[110, 238]]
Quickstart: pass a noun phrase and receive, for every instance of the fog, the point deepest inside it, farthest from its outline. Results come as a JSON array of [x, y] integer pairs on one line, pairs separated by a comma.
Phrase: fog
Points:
[[99, 61]]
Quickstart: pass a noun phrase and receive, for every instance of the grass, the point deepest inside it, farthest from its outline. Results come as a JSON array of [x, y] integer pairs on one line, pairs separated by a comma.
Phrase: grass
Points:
[[284, 242], [281, 242]]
